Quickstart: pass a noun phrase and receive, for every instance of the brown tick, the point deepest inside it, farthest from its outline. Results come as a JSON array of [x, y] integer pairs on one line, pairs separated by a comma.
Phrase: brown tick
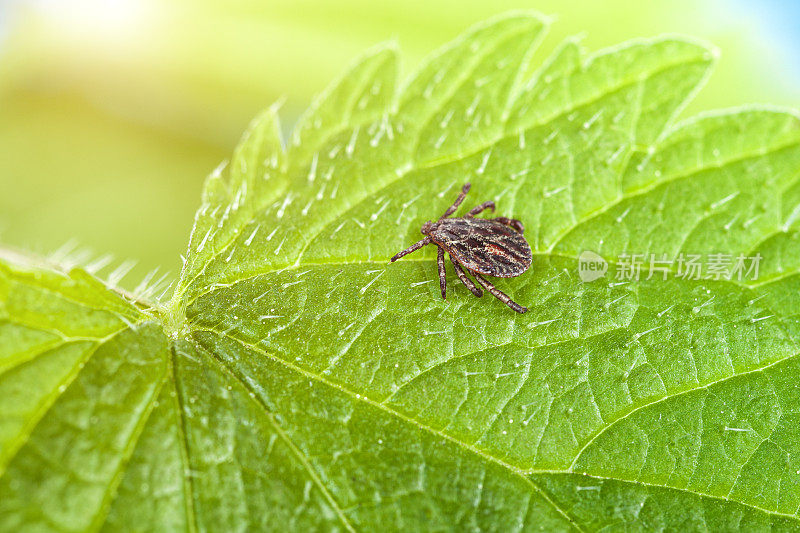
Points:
[[492, 247]]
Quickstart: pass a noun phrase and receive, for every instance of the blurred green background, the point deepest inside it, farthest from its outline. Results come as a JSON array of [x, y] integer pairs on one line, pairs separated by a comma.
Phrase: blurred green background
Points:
[[113, 111]]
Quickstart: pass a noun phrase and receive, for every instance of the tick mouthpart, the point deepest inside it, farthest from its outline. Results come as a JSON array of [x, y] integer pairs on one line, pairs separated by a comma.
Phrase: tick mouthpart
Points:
[[426, 228]]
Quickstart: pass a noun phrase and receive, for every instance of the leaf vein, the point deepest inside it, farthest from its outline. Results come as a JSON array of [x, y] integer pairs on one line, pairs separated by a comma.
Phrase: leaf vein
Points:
[[397, 414]]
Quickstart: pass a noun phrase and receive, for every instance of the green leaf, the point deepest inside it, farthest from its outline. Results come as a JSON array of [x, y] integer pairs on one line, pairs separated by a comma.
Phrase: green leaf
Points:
[[298, 381]]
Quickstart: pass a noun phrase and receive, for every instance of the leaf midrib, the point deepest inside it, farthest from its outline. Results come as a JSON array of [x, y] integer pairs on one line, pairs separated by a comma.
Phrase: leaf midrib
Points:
[[544, 254], [743, 287], [186, 476]]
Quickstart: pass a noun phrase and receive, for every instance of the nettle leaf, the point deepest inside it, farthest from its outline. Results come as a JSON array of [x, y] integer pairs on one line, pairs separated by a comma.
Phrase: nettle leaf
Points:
[[296, 380]]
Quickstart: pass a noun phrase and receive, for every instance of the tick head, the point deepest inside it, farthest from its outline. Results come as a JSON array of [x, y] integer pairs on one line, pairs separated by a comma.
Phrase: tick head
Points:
[[426, 227]]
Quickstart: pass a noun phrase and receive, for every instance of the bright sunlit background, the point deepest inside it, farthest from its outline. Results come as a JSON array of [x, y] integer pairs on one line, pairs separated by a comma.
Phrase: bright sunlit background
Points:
[[113, 111]]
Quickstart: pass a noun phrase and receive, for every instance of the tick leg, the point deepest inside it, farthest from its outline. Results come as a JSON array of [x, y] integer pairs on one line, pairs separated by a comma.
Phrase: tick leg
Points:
[[461, 196], [500, 295], [413, 248], [465, 280], [442, 282], [511, 222], [477, 209]]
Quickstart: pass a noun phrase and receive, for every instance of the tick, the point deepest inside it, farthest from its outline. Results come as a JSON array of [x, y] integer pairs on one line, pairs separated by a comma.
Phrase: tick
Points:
[[490, 247]]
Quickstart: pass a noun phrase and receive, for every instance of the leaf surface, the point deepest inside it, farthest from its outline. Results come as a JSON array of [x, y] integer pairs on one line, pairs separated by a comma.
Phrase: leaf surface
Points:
[[296, 380]]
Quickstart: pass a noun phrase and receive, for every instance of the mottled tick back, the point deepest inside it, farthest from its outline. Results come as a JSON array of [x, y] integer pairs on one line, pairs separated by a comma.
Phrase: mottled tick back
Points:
[[492, 247]]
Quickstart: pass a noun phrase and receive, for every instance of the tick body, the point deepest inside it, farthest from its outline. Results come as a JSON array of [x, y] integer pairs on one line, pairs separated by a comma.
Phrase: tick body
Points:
[[491, 247]]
